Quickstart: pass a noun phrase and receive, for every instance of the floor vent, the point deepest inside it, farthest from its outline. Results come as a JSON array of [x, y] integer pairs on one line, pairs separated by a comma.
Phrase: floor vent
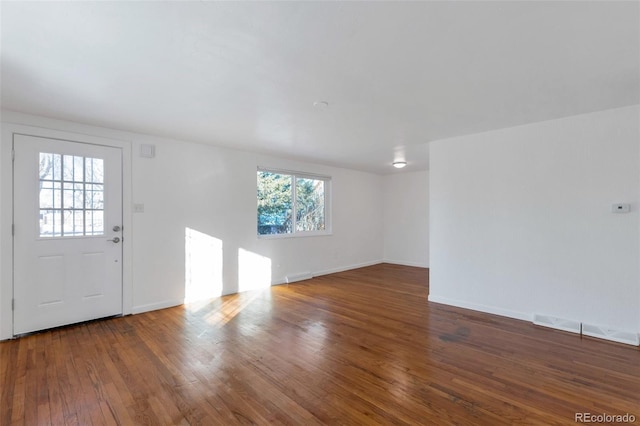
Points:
[[557, 323], [298, 277], [610, 334]]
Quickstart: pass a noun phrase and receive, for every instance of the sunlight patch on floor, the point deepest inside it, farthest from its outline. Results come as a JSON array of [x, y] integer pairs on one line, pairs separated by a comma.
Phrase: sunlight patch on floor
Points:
[[202, 269], [254, 271]]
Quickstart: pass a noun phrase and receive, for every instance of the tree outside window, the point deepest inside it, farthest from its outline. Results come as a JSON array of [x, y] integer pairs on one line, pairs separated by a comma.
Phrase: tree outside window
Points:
[[291, 203]]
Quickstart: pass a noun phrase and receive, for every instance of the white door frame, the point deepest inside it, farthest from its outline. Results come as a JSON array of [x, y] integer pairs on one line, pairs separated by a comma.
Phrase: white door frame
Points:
[[6, 214]]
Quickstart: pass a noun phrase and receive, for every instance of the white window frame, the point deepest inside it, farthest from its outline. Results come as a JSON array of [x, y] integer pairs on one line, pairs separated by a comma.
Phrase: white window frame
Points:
[[327, 204]]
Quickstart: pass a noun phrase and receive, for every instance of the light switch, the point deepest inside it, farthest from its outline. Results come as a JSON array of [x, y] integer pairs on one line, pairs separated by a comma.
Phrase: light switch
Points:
[[620, 208], [138, 208]]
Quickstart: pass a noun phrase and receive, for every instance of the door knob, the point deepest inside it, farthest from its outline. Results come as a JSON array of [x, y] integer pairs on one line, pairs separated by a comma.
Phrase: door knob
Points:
[[116, 228], [116, 240]]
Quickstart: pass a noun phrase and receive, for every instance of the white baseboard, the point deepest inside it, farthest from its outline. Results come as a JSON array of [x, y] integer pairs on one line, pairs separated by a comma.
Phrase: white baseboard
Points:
[[302, 276], [155, 306], [629, 338], [405, 263], [347, 268], [283, 280], [481, 308]]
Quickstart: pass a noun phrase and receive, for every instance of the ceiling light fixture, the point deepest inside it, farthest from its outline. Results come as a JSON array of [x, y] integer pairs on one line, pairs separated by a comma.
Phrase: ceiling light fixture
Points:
[[399, 164], [321, 104]]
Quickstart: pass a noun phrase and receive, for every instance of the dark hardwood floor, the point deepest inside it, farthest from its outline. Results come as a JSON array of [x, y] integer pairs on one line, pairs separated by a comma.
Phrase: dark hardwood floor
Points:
[[358, 348]]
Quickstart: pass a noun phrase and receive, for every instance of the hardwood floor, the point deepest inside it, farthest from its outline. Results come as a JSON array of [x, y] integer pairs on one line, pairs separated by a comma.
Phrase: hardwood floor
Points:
[[358, 347]]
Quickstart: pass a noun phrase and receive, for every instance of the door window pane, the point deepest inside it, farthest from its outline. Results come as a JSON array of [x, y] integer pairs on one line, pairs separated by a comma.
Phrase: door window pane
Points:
[[94, 222], [94, 170], [71, 195], [94, 197], [46, 195]]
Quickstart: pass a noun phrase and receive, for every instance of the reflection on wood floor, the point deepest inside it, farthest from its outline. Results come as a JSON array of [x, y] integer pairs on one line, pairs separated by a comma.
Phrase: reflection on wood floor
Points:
[[357, 347]]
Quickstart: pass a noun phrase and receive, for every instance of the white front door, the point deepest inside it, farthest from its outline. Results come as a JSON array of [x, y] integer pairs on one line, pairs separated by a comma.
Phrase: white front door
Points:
[[68, 232]]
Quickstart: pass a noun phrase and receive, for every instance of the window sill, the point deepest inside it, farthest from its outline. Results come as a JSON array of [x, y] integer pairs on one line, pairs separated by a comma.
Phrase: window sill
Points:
[[295, 235]]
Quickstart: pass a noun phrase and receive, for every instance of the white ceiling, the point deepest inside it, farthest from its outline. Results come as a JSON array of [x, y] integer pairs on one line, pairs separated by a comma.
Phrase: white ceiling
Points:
[[245, 75]]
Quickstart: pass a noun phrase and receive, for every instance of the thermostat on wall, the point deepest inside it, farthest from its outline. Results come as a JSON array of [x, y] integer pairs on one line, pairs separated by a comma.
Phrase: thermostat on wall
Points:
[[621, 208]]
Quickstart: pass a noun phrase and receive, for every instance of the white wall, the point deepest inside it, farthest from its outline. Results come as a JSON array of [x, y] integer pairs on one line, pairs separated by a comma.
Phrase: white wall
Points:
[[521, 220], [406, 218], [211, 191]]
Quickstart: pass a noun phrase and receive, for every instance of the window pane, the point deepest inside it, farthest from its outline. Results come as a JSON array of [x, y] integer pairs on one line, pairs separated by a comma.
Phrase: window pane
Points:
[[67, 198], [78, 166], [95, 170], [57, 223], [57, 167], [57, 195], [67, 168], [67, 223], [70, 203], [78, 195], [46, 166], [46, 197], [98, 170], [78, 222], [94, 223], [309, 204], [274, 203], [47, 220], [94, 197]]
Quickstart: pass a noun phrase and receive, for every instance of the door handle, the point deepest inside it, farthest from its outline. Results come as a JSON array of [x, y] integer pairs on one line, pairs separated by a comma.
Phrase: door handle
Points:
[[115, 240]]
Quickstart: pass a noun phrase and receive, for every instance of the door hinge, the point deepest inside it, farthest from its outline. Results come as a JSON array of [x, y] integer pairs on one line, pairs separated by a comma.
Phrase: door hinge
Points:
[[13, 230], [13, 304], [13, 155]]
